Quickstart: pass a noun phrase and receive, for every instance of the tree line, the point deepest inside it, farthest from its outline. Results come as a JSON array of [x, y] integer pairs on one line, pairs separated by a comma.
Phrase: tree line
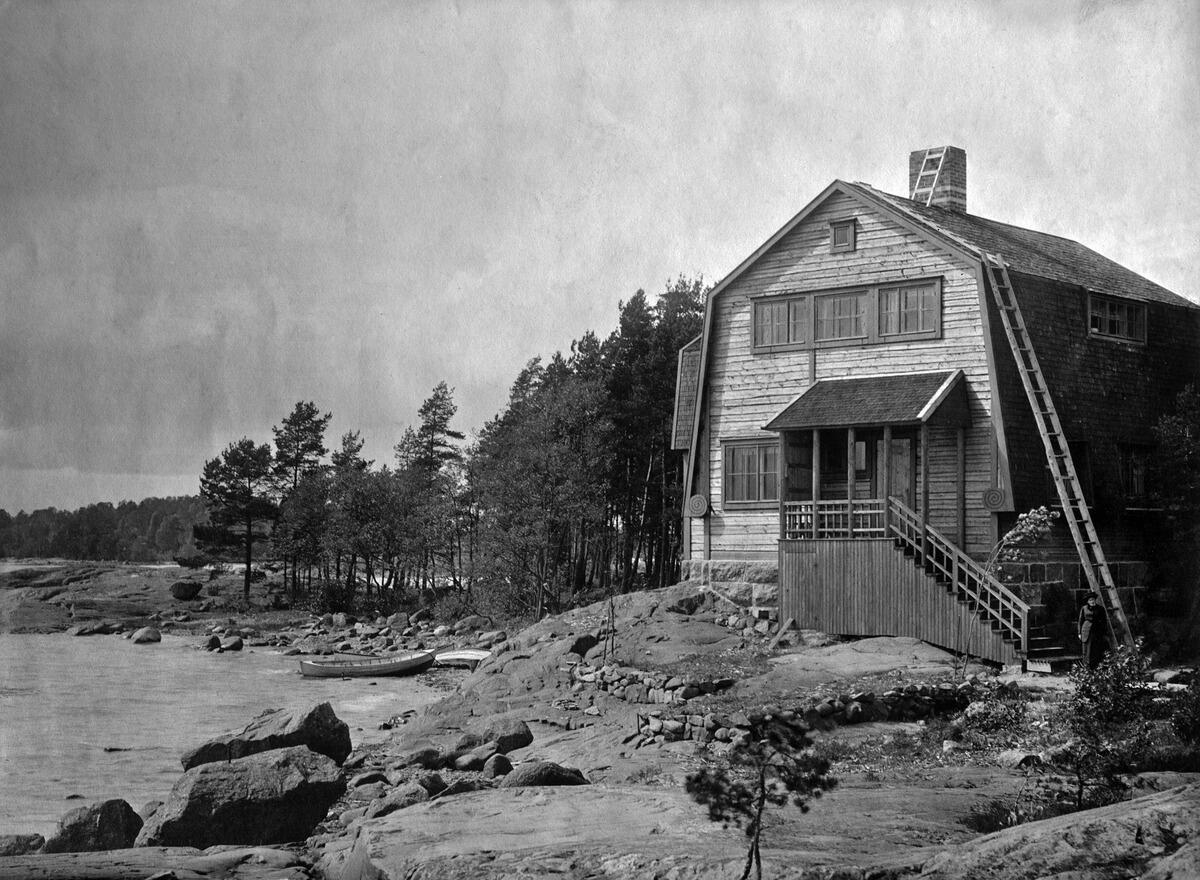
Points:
[[151, 530], [572, 491]]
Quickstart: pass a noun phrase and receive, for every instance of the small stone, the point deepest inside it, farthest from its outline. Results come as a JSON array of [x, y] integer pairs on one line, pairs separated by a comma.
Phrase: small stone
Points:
[[146, 635]]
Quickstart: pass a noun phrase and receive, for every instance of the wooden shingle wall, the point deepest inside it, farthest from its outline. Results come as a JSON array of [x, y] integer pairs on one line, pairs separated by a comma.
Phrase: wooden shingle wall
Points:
[[745, 390], [1107, 393]]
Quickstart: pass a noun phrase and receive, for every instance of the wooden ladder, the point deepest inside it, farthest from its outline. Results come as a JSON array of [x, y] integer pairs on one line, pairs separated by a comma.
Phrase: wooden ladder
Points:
[[927, 178], [1058, 453]]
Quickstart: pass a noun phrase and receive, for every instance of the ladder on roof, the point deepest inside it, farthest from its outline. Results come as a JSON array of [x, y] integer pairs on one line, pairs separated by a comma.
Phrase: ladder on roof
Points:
[[1058, 453], [927, 177]]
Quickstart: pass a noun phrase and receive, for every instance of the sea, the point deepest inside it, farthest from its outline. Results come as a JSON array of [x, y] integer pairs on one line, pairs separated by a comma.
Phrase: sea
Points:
[[96, 717]]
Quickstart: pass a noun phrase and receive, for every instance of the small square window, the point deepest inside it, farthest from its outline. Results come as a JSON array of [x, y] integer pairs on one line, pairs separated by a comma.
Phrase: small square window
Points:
[[842, 236]]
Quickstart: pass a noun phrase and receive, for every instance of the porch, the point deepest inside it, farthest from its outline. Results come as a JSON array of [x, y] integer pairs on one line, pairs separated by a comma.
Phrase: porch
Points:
[[872, 567], [864, 549]]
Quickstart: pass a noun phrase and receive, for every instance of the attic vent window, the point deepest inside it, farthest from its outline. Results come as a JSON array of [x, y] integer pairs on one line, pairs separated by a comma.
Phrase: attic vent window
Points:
[[1116, 318], [843, 236]]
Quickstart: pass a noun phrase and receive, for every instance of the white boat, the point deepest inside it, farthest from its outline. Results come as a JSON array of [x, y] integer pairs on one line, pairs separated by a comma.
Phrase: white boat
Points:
[[468, 657], [399, 664]]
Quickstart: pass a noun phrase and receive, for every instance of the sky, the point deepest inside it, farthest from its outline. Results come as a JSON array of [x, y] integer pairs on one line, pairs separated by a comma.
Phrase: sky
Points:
[[210, 211]]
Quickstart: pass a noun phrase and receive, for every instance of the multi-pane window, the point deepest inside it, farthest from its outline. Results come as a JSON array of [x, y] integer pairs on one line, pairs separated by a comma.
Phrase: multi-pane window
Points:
[[831, 319], [751, 472], [840, 316], [779, 322], [1118, 318], [908, 310]]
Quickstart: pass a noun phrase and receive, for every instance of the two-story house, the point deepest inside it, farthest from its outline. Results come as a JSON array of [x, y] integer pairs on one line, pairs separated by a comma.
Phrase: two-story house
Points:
[[889, 381]]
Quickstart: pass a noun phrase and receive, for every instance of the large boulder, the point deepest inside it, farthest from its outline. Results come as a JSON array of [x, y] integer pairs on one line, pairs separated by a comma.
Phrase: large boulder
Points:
[[20, 844], [543, 773], [317, 728], [469, 623], [109, 825], [186, 591], [272, 797], [508, 734]]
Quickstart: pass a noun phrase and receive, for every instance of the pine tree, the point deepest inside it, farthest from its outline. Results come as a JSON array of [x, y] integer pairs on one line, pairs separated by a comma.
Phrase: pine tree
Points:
[[237, 488]]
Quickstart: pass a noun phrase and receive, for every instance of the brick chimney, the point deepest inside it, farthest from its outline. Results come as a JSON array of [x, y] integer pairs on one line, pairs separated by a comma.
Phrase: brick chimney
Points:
[[950, 173]]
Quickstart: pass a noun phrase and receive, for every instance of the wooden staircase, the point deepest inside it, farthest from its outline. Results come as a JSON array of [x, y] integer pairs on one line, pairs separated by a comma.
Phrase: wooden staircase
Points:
[[1058, 453], [963, 577]]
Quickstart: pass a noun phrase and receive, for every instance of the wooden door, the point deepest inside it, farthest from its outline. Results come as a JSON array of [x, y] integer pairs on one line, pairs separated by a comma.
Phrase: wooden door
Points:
[[903, 465]]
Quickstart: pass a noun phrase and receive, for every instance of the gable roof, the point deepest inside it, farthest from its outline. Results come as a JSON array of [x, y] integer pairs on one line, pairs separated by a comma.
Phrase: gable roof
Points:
[[1034, 253], [854, 401], [967, 237]]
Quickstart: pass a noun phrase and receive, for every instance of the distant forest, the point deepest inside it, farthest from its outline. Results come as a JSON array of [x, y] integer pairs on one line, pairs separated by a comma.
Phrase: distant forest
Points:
[[571, 491], [151, 530]]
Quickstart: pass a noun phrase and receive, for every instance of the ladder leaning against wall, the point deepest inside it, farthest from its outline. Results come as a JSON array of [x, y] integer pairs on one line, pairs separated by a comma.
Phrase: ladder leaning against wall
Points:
[[1058, 454]]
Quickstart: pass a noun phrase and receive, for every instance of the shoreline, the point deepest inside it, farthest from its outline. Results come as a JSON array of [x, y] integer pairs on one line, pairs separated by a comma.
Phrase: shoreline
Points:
[[887, 813]]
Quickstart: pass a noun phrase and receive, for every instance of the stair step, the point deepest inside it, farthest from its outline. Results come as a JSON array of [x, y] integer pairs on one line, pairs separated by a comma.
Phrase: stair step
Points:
[[1052, 665]]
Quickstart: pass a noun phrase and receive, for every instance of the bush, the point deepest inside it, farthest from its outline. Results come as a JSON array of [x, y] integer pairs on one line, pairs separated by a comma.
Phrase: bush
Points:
[[1115, 691], [1185, 714], [994, 713]]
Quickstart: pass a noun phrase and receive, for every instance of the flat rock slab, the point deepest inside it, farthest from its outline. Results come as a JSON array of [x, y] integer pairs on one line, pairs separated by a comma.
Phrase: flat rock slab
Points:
[[539, 832], [862, 657], [244, 863], [1146, 837]]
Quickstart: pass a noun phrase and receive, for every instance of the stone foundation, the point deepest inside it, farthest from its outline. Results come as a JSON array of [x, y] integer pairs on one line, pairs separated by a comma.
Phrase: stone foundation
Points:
[[743, 582]]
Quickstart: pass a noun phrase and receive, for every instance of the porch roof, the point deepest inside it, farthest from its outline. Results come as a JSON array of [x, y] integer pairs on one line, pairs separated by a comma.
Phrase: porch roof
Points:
[[861, 401]]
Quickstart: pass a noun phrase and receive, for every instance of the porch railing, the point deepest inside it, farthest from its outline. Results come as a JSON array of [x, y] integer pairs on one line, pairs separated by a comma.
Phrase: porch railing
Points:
[[968, 580], [891, 518], [860, 518]]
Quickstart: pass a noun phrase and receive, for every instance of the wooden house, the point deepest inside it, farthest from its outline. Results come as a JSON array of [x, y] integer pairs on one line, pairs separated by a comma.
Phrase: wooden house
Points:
[[887, 382]]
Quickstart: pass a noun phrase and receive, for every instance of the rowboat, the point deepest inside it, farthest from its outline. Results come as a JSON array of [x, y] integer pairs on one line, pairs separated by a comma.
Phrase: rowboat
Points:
[[400, 664], [468, 657]]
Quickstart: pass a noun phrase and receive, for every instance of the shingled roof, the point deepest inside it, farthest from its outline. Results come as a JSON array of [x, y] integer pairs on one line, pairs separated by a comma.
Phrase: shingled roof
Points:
[[1035, 253], [901, 399]]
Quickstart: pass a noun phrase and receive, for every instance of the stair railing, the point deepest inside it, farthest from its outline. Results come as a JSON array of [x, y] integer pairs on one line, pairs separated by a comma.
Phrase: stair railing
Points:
[[971, 582]]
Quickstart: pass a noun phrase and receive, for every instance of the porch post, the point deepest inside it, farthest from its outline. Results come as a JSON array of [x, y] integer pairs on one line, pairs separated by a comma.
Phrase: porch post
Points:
[[850, 482], [781, 486], [887, 462], [887, 478], [924, 489], [962, 488], [816, 478]]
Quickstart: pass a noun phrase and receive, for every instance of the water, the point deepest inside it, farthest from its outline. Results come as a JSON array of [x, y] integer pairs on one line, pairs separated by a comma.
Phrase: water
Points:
[[64, 700]]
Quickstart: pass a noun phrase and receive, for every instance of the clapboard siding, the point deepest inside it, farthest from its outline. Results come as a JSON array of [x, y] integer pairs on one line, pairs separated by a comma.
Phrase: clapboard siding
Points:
[[745, 390], [870, 588]]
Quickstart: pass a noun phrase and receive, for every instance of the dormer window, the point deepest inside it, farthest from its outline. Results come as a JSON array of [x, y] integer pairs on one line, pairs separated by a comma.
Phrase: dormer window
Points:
[[1115, 318], [842, 236]]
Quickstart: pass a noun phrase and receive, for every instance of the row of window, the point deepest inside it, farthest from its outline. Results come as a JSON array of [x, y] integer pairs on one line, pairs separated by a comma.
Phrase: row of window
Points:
[[874, 314], [752, 468]]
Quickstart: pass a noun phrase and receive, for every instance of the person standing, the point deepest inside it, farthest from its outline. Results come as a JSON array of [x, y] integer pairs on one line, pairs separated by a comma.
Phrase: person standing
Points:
[[1092, 623]]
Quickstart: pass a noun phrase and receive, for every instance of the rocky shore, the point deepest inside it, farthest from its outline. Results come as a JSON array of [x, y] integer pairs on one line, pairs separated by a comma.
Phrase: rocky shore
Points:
[[564, 754]]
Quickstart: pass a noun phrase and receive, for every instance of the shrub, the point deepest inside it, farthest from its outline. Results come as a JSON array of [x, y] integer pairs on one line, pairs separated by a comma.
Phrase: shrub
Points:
[[1185, 714], [995, 713], [1115, 691]]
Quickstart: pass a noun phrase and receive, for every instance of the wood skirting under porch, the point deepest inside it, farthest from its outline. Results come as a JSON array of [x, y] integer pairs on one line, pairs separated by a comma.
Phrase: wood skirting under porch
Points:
[[869, 587]]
